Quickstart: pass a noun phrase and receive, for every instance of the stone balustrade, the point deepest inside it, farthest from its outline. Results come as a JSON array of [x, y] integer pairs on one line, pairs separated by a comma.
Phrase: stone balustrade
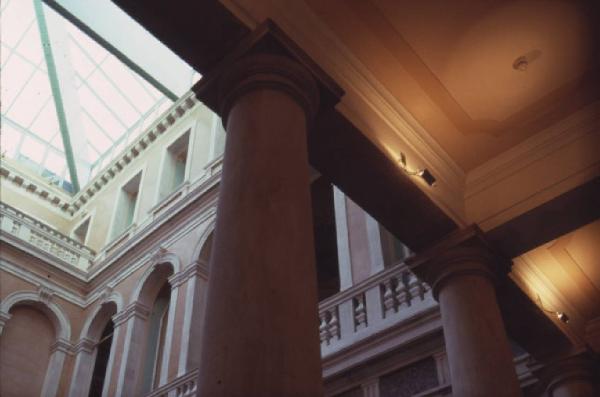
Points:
[[384, 300], [182, 386], [23, 228]]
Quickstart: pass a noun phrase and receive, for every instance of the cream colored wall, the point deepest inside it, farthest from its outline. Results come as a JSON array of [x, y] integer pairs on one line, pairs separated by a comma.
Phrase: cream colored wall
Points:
[[102, 206], [206, 143], [32, 205]]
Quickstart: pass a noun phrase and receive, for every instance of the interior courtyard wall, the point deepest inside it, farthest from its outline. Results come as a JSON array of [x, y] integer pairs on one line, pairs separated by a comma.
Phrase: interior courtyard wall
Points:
[[31, 204], [25, 346]]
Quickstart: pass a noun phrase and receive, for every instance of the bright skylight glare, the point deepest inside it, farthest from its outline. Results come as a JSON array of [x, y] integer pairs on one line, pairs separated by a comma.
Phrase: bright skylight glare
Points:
[[59, 83]]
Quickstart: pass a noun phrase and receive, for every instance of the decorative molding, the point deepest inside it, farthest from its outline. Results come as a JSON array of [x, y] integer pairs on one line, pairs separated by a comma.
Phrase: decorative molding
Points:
[[50, 195], [198, 268], [184, 385], [36, 280], [45, 294], [62, 345], [44, 236], [134, 309], [177, 279], [59, 319], [535, 148], [371, 388], [4, 317], [317, 39], [105, 294], [158, 255], [84, 345]]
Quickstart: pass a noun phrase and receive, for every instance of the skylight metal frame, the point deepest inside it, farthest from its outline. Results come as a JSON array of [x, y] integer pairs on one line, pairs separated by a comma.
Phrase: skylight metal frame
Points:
[[56, 93], [153, 100]]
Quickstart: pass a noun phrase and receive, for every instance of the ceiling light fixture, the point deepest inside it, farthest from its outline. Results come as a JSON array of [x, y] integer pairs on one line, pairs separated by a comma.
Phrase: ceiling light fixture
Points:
[[520, 64], [423, 172]]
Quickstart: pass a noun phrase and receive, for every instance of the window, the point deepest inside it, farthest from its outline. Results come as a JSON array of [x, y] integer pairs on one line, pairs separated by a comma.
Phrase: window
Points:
[[80, 233], [174, 167], [126, 203]]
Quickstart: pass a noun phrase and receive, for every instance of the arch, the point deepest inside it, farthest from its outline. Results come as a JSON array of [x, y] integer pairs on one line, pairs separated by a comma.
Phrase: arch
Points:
[[58, 318], [91, 334], [202, 248], [41, 300], [93, 323], [164, 266]]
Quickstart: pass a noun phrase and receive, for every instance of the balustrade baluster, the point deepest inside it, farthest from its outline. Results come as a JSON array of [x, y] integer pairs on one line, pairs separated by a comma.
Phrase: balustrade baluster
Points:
[[401, 292], [360, 312], [323, 329], [416, 290], [334, 324], [389, 303]]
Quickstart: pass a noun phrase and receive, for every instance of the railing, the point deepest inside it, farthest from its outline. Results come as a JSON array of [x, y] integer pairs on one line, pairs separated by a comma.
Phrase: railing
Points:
[[63, 248], [382, 301], [183, 386]]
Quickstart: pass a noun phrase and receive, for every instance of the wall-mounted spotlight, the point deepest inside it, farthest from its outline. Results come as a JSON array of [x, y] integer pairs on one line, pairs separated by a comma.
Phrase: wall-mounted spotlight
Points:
[[562, 317], [559, 315], [423, 173]]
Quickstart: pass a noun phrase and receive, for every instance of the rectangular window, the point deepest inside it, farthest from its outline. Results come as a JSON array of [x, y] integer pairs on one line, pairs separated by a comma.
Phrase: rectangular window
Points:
[[80, 233], [174, 165], [126, 203]]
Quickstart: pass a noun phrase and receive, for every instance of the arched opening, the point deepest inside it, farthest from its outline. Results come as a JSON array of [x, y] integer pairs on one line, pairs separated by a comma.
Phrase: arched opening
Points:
[[155, 341], [206, 250], [150, 357], [101, 362], [26, 349], [100, 332]]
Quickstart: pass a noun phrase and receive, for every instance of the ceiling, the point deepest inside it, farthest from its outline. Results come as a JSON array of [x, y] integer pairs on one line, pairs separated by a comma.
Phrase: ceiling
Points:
[[453, 68], [565, 275]]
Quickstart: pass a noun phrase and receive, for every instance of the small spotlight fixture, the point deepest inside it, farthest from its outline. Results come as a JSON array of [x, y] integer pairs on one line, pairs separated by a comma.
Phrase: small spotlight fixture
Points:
[[562, 316], [423, 173]]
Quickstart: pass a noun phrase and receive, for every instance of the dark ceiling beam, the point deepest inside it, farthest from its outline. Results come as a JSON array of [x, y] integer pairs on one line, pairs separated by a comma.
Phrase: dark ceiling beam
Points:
[[559, 216], [206, 33]]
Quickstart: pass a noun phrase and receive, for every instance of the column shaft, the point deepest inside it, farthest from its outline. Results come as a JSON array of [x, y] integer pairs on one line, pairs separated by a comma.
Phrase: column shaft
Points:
[[479, 356], [462, 270], [261, 336]]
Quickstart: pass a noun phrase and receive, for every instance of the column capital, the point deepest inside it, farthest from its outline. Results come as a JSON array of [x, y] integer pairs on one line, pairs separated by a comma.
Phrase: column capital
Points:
[[267, 58], [62, 345], [270, 71], [573, 367], [460, 253], [134, 309], [85, 345]]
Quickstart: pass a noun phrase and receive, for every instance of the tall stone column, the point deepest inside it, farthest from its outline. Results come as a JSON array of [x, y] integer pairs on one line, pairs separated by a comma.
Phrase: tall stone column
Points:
[[261, 333], [462, 271], [573, 375]]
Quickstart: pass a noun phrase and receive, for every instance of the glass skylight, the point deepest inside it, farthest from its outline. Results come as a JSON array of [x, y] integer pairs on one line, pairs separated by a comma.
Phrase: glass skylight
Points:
[[58, 83]]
